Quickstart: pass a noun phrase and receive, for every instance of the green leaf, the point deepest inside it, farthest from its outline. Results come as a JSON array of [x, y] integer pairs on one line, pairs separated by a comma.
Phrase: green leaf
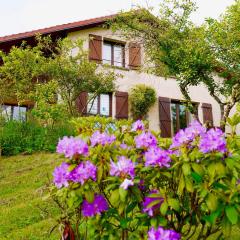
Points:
[[181, 185], [212, 202], [123, 194], [198, 169], [232, 214], [186, 169], [131, 206], [99, 173], [114, 198], [164, 208], [174, 203], [153, 203], [154, 222], [189, 185], [196, 177], [89, 195]]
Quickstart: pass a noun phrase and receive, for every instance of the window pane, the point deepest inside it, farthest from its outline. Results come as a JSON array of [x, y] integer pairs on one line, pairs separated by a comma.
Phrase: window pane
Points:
[[6, 112], [174, 117], [107, 53], [104, 104], [118, 56], [92, 106], [19, 113], [182, 116]]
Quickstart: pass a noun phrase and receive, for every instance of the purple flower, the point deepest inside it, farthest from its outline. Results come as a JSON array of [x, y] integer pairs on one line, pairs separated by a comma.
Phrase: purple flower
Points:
[[145, 140], [188, 134], [125, 146], [101, 138], [71, 146], [157, 157], [126, 183], [161, 234], [147, 200], [122, 168], [213, 140], [138, 126], [98, 206], [61, 175], [83, 172]]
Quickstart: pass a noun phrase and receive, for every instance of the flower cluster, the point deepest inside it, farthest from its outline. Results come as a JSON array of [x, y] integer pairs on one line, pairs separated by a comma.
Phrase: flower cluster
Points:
[[138, 126], [161, 234], [156, 156], [145, 140], [70, 147], [148, 200], [213, 140], [123, 168], [101, 138], [98, 206], [83, 172], [188, 134]]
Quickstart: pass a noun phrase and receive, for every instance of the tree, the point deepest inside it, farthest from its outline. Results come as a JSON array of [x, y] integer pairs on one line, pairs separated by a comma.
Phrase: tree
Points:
[[65, 62], [192, 54]]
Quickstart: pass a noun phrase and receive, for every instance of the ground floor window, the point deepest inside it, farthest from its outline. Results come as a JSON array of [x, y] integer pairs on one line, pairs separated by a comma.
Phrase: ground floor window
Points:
[[180, 116], [100, 105], [13, 112]]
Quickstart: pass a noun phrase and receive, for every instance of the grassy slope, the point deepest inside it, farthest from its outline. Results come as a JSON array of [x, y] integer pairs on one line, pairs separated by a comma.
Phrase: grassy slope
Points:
[[23, 213]]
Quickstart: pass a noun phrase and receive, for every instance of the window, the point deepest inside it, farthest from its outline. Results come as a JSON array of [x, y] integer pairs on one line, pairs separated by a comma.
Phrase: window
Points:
[[100, 105], [12, 112], [180, 116], [113, 54]]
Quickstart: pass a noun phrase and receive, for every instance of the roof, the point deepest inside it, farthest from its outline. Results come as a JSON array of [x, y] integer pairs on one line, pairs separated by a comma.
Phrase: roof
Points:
[[58, 28]]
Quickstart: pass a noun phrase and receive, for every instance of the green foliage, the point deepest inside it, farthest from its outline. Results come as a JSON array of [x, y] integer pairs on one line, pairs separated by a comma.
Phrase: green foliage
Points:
[[18, 137], [142, 98]]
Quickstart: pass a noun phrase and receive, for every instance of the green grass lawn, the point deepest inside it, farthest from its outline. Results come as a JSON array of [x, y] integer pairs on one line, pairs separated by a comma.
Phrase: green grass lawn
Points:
[[23, 213]]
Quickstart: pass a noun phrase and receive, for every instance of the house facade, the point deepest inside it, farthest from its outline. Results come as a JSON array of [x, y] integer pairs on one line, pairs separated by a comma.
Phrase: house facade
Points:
[[105, 47]]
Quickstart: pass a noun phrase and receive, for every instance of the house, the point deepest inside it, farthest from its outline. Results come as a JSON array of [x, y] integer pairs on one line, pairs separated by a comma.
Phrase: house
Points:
[[168, 114]]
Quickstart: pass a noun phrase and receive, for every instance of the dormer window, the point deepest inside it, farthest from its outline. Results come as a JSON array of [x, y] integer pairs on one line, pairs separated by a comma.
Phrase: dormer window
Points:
[[113, 54]]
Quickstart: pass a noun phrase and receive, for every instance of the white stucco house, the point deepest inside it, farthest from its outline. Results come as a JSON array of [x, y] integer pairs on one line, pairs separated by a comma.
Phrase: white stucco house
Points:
[[168, 114]]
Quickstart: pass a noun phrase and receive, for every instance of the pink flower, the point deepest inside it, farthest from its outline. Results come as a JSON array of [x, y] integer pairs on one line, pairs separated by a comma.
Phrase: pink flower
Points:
[[126, 183], [61, 175], [138, 126], [145, 140], [101, 138], [162, 234]]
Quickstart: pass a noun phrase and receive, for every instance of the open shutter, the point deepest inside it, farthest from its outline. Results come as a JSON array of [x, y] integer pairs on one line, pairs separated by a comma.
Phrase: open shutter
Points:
[[81, 103], [95, 48], [134, 55], [121, 105], [165, 116], [207, 113]]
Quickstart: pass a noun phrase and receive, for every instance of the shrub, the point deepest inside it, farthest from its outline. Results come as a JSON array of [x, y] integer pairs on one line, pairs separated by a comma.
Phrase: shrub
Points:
[[123, 184], [142, 98], [17, 137]]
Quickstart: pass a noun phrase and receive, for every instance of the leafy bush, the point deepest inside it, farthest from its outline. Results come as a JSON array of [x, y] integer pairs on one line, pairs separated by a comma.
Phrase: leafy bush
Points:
[[141, 99], [119, 185], [17, 137]]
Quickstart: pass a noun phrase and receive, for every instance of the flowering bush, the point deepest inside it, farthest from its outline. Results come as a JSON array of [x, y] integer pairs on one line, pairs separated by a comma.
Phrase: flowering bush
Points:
[[130, 184]]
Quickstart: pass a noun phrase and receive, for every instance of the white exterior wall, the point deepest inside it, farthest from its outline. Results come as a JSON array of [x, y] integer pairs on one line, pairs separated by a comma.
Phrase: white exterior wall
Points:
[[164, 88]]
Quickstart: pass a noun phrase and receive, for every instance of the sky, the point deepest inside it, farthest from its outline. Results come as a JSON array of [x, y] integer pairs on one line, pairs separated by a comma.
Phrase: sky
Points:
[[25, 15]]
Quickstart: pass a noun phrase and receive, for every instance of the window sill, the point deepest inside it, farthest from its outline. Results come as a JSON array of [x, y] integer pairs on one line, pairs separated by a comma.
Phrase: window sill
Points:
[[115, 67]]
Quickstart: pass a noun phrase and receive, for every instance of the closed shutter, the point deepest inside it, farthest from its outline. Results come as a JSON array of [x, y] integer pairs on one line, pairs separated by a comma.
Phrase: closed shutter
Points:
[[207, 113], [81, 103], [165, 116], [95, 48], [134, 55], [121, 105]]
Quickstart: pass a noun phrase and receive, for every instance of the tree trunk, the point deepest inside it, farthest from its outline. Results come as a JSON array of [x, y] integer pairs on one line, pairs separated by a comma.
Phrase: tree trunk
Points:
[[224, 115]]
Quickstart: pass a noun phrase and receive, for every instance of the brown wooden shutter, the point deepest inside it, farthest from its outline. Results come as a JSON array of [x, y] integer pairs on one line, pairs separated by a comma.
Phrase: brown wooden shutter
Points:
[[134, 55], [121, 105], [165, 116], [81, 103], [95, 48], [207, 113]]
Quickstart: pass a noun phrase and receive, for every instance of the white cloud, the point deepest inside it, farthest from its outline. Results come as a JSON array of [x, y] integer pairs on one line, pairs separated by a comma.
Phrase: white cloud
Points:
[[25, 15]]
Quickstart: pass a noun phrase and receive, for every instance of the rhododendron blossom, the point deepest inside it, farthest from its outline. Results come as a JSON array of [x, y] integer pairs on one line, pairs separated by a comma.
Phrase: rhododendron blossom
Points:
[[101, 138], [70, 146], [145, 140], [98, 206], [156, 156], [213, 140], [124, 167], [83, 172], [126, 183], [138, 126], [61, 175], [162, 234]]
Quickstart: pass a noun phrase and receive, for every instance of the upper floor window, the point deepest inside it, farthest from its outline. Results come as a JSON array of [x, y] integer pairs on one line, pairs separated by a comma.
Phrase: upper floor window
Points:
[[13, 112], [99, 105], [113, 54]]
